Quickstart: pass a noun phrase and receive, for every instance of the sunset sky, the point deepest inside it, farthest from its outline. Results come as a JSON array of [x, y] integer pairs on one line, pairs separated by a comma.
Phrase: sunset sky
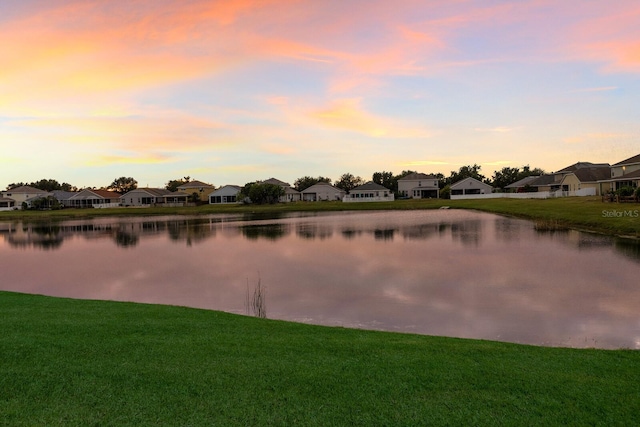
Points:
[[229, 92]]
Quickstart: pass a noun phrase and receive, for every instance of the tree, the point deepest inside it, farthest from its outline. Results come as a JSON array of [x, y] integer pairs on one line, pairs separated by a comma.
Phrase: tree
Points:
[[508, 175], [260, 193], [305, 182], [348, 182], [15, 185], [465, 172], [123, 185], [175, 183], [386, 179]]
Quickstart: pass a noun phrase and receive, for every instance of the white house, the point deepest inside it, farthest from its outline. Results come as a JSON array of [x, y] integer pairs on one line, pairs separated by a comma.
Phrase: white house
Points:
[[419, 186], [225, 194], [153, 197], [369, 192], [322, 191], [94, 199], [469, 186], [7, 204]]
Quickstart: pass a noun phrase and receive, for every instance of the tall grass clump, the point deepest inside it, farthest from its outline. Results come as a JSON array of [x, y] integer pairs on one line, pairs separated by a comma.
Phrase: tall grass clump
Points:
[[255, 303]]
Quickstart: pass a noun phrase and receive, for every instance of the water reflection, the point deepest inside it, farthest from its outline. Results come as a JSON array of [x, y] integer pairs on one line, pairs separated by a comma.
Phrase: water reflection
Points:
[[452, 273]]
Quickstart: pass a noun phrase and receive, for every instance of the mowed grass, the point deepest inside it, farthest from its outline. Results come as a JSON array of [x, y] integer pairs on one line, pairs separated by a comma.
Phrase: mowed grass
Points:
[[587, 213], [73, 362]]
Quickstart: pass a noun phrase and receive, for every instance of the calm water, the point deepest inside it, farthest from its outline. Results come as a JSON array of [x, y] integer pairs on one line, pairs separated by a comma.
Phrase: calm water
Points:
[[446, 272]]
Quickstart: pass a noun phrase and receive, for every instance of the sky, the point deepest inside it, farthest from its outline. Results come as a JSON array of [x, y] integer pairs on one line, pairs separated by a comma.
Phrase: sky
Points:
[[229, 92]]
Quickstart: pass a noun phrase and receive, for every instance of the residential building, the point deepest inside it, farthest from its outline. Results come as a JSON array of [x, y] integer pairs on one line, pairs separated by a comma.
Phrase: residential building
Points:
[[322, 191], [225, 194], [197, 188], [369, 192], [89, 198], [623, 174], [469, 186], [419, 186], [154, 197], [290, 193]]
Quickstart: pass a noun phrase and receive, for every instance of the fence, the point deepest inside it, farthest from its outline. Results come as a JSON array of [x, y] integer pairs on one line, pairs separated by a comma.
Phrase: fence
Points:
[[538, 195]]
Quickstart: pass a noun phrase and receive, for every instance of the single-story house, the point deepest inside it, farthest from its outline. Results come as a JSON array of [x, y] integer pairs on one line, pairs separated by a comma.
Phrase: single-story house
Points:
[[522, 184], [419, 186], [290, 193], [470, 186], [369, 192], [201, 189], [153, 197], [88, 198], [7, 204], [322, 191], [225, 194]]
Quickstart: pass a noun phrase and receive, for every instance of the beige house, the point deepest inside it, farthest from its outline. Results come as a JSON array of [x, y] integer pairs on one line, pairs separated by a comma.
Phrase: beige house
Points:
[[419, 186], [199, 188], [369, 192], [23, 194], [322, 191], [585, 178]]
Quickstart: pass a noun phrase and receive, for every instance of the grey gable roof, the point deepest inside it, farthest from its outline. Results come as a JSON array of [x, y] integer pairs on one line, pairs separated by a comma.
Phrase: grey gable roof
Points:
[[25, 189], [630, 160], [276, 182], [522, 182], [542, 180], [580, 165], [370, 186], [593, 174]]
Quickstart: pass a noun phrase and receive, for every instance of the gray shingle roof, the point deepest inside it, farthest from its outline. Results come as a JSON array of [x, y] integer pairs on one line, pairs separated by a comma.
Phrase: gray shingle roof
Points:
[[417, 175], [522, 182], [630, 160], [370, 186]]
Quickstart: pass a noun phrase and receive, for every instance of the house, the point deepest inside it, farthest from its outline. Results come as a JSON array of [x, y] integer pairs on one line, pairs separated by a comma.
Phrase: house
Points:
[[419, 186], [623, 174], [585, 180], [369, 192], [580, 177], [7, 204], [23, 194], [225, 194], [89, 198], [469, 186], [322, 191], [522, 184], [197, 188], [290, 193], [153, 197]]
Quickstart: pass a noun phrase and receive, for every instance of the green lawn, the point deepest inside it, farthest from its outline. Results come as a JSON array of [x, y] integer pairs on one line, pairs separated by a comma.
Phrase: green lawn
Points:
[[73, 362]]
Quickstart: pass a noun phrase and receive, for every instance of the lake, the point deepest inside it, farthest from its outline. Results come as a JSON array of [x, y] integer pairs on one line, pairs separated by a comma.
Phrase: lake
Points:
[[438, 272]]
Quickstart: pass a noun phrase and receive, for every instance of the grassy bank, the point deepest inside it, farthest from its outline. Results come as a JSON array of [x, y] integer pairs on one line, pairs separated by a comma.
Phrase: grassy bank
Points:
[[588, 213], [70, 362]]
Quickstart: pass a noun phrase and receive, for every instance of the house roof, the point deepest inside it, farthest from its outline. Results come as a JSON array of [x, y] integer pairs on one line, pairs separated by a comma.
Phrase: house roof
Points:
[[593, 174], [25, 189], [629, 161], [581, 165], [543, 180], [276, 182], [416, 175], [370, 186], [195, 184], [314, 187], [226, 189], [466, 180], [522, 182], [88, 193]]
